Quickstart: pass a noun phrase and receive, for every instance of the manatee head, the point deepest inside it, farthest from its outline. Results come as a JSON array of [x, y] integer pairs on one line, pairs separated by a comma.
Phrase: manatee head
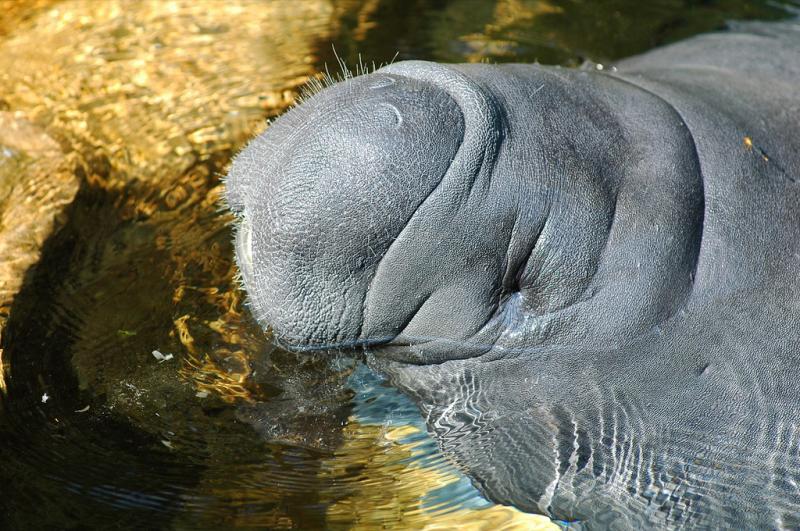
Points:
[[420, 211], [328, 190]]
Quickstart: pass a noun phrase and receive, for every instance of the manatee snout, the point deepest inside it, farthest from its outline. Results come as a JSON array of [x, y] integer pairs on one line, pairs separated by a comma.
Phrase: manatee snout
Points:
[[325, 191]]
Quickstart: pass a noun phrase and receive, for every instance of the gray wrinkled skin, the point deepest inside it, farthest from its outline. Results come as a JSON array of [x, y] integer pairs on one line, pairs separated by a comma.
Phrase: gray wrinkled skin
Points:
[[588, 280]]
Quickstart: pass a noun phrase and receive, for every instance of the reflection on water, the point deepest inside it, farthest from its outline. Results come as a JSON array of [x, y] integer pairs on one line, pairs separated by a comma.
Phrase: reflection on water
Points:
[[136, 390], [548, 31]]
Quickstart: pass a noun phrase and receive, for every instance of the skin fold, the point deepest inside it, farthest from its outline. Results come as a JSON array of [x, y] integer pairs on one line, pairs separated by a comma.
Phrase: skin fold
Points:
[[587, 280]]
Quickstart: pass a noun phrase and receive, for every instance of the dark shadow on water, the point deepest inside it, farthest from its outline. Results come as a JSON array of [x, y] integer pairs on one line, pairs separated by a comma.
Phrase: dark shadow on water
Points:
[[75, 467], [96, 432]]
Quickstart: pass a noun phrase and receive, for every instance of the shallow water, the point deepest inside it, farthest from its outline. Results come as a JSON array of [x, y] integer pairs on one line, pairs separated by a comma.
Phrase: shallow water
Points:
[[136, 390]]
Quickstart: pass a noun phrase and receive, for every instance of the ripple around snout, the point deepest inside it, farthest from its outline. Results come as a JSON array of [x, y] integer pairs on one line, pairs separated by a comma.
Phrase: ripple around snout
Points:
[[408, 477]]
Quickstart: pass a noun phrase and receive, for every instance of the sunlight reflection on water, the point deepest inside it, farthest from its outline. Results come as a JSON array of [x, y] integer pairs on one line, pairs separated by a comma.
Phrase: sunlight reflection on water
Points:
[[116, 121]]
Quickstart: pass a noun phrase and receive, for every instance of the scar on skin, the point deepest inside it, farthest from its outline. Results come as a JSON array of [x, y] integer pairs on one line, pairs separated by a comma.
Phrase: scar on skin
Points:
[[398, 117], [748, 144]]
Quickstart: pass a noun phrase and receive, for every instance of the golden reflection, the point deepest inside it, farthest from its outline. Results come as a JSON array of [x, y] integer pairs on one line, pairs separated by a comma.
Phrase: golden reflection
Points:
[[508, 15], [37, 182], [205, 372], [389, 491], [158, 86], [14, 13], [150, 99], [366, 19]]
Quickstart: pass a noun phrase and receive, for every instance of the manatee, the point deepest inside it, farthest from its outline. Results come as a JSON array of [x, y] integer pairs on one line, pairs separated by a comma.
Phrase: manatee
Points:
[[588, 279]]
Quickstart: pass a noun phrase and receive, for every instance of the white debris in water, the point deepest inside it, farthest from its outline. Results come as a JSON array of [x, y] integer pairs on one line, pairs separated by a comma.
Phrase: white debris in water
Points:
[[45, 398], [84, 410], [201, 394], [167, 444], [598, 66], [162, 357], [133, 388]]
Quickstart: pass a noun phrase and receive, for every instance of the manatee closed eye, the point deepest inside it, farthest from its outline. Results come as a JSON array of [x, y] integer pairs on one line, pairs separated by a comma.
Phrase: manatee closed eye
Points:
[[586, 279]]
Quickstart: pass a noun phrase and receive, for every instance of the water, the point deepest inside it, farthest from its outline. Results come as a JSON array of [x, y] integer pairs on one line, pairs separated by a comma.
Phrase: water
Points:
[[117, 121]]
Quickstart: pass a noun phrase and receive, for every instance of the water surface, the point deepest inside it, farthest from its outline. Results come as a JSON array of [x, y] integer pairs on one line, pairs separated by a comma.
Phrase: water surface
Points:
[[136, 390]]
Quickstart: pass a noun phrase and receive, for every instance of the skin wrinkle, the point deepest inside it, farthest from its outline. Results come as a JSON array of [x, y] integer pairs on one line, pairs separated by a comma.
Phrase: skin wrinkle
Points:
[[508, 354], [389, 248], [701, 239], [559, 185], [374, 254], [499, 133], [458, 156], [413, 314], [518, 282], [339, 338], [582, 297], [475, 103], [484, 349], [504, 282], [540, 262], [595, 263], [586, 294], [768, 158]]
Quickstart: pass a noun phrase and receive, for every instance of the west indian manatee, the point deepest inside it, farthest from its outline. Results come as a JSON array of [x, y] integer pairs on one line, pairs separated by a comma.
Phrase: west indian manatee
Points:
[[586, 278]]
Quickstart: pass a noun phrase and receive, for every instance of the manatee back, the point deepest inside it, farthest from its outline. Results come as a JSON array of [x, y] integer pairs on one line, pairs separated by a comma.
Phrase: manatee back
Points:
[[755, 50]]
